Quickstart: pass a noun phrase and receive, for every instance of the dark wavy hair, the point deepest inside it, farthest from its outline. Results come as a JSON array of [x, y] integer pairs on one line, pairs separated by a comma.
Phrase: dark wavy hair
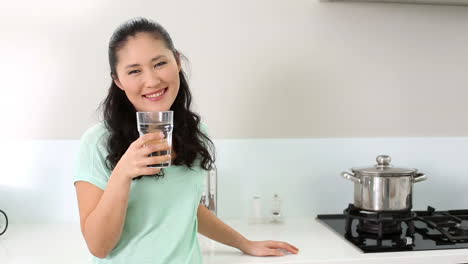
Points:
[[119, 114]]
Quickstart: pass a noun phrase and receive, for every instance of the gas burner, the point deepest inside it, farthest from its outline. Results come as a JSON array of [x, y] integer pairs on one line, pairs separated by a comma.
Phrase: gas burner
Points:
[[458, 232], [445, 227], [374, 232], [377, 231], [371, 227], [460, 229], [378, 223]]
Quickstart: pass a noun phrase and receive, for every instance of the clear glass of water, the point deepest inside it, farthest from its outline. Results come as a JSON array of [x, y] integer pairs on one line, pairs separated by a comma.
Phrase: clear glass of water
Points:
[[153, 122]]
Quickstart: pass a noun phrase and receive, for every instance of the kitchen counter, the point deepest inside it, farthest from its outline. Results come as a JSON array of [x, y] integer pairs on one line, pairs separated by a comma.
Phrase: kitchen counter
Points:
[[318, 244], [63, 243]]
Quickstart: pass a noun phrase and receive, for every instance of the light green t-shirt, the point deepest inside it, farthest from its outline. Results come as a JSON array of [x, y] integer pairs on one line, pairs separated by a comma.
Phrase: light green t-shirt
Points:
[[161, 222]]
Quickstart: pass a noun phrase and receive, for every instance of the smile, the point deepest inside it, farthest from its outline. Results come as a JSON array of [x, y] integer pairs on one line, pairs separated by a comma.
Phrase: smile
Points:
[[156, 95]]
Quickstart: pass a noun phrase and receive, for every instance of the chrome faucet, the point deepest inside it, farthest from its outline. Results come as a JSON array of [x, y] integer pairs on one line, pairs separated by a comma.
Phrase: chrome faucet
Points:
[[210, 199], [213, 190]]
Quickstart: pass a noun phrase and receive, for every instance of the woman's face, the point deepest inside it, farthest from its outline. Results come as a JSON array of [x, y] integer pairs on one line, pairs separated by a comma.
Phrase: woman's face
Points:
[[148, 73]]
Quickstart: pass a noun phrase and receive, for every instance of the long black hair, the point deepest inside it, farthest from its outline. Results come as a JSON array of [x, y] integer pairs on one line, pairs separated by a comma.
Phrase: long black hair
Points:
[[188, 141]]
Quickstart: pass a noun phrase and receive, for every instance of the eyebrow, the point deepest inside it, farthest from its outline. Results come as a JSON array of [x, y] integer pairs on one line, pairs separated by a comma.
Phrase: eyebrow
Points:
[[136, 64]]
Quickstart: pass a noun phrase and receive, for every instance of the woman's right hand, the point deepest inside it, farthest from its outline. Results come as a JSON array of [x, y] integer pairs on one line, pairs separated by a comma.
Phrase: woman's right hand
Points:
[[136, 159]]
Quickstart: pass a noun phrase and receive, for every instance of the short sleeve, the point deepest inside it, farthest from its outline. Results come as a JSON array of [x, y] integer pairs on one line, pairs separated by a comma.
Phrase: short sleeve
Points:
[[204, 129], [91, 160]]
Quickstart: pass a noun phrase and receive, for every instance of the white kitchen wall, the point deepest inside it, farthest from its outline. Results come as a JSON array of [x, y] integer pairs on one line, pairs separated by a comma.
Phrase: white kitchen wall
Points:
[[36, 182], [293, 92]]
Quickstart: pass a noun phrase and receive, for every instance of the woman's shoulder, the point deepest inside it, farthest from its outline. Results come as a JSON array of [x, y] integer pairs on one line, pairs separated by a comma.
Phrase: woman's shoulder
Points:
[[95, 134], [203, 128]]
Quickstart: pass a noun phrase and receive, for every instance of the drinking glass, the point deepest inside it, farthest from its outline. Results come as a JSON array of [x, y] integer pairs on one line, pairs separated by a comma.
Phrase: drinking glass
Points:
[[151, 122]]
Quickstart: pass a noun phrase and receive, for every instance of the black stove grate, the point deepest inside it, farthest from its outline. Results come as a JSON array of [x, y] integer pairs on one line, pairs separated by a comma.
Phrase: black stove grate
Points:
[[444, 227], [375, 231], [401, 231]]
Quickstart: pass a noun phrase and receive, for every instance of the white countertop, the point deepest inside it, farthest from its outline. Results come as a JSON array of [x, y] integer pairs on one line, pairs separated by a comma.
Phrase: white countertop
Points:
[[63, 243], [317, 244]]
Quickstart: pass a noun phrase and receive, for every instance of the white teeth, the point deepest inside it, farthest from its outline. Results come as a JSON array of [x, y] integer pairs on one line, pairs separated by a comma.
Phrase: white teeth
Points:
[[155, 95]]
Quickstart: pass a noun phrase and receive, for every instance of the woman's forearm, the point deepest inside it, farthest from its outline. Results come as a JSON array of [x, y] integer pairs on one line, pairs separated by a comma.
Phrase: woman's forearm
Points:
[[103, 227], [212, 227]]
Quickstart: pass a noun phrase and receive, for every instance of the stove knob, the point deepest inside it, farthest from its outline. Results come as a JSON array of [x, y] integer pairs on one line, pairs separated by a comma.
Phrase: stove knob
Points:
[[409, 241]]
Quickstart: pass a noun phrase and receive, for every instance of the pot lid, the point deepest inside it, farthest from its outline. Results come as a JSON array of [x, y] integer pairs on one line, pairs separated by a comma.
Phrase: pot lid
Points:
[[383, 168]]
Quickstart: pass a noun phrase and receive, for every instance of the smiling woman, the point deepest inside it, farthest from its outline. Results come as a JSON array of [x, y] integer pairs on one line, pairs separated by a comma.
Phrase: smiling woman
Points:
[[148, 72], [155, 219]]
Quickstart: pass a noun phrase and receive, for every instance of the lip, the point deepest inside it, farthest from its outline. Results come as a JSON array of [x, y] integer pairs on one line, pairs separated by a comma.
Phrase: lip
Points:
[[153, 99]]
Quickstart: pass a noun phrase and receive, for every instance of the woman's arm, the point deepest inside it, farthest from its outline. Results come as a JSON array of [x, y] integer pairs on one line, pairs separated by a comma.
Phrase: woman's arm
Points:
[[102, 213], [212, 227]]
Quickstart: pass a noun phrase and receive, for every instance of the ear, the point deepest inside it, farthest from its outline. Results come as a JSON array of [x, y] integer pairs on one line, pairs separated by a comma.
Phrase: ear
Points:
[[117, 82], [177, 57]]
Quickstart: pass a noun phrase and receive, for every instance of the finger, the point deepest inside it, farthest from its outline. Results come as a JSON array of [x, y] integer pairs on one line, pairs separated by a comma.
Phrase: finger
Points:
[[289, 247], [274, 252], [282, 245], [279, 253], [156, 141], [149, 149], [156, 160], [148, 138], [149, 171]]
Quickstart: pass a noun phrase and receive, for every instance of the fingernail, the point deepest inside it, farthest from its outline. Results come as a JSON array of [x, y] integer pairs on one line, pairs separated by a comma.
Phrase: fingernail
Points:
[[161, 134]]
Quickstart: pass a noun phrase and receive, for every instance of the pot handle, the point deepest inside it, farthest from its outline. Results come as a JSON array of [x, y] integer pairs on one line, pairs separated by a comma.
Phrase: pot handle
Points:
[[419, 177], [350, 177]]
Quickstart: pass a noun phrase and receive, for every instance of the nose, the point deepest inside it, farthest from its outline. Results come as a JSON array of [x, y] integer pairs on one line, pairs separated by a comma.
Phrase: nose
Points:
[[152, 79]]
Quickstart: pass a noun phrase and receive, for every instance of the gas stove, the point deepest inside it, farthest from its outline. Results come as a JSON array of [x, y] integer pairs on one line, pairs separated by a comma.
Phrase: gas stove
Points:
[[374, 232]]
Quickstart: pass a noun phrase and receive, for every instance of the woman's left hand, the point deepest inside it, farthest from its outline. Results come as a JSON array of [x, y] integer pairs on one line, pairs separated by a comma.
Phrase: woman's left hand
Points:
[[268, 248]]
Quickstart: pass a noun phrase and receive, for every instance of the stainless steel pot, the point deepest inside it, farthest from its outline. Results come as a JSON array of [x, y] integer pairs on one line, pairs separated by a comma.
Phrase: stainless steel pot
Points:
[[383, 187]]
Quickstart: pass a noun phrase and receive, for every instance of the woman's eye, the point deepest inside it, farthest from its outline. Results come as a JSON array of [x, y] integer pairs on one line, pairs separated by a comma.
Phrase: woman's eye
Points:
[[134, 71], [159, 64]]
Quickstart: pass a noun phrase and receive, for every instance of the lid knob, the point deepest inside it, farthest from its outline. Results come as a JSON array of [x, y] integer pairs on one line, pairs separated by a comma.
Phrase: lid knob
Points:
[[383, 161]]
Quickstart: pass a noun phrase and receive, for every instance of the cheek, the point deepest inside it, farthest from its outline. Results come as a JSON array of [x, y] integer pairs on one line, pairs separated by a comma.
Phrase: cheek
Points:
[[176, 81], [130, 84], [171, 75]]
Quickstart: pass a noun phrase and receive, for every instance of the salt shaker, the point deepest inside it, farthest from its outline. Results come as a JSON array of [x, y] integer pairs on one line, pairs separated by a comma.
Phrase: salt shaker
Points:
[[255, 213], [276, 209]]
